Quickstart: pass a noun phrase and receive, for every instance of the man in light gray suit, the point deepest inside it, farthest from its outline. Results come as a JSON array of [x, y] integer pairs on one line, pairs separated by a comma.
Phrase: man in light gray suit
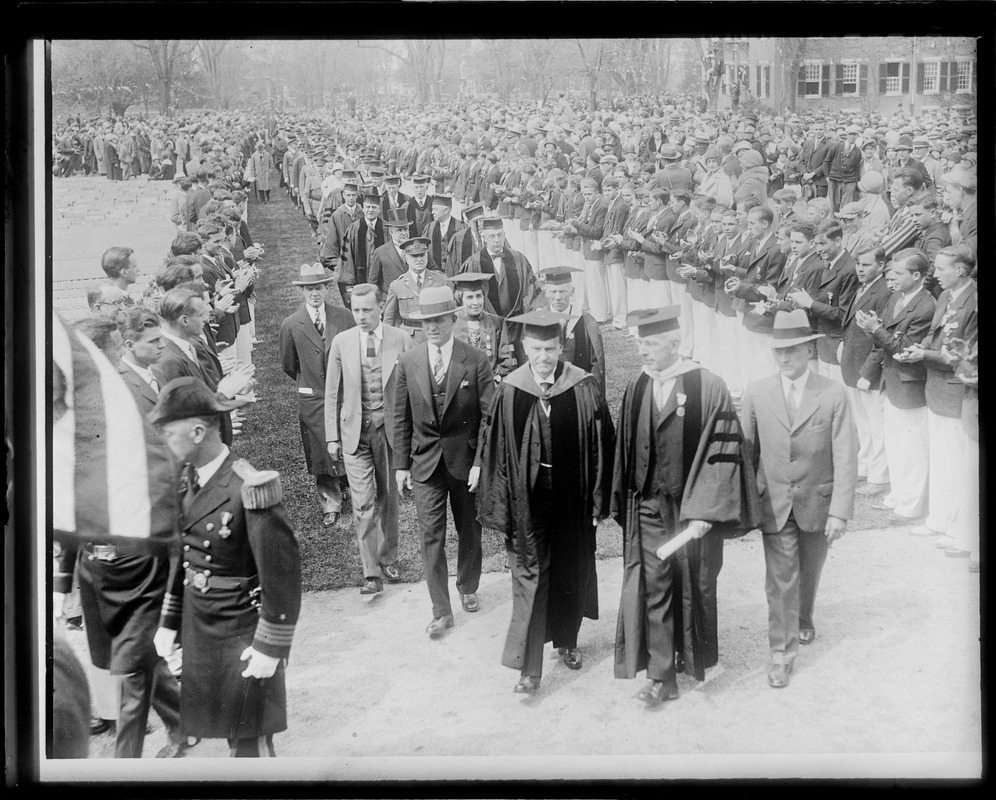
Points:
[[801, 435], [359, 389]]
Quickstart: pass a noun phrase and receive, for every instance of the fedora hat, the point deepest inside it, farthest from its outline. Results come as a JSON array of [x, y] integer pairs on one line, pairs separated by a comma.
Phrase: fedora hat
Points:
[[186, 397], [791, 328], [435, 301], [312, 275]]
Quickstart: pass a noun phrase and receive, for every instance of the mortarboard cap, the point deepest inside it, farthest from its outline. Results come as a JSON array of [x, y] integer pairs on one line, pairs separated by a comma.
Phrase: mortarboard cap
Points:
[[542, 324], [471, 280], [651, 321], [442, 200], [470, 213], [557, 275], [491, 224]]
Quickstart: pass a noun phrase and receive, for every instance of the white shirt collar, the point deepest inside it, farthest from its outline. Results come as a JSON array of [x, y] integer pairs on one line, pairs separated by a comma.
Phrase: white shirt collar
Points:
[[183, 344], [205, 473], [799, 383], [143, 372], [414, 277], [446, 350], [551, 378], [320, 311], [955, 293]]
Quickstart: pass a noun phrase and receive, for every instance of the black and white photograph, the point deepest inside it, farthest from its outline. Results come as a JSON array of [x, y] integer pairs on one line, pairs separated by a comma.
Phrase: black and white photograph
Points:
[[536, 407]]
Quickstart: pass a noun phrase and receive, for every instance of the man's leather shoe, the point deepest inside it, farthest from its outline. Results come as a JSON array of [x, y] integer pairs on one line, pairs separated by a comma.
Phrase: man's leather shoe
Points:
[[99, 725], [330, 519], [571, 657], [391, 571], [172, 750], [944, 542], [527, 685], [656, 692], [440, 624], [872, 489], [898, 520], [372, 586], [470, 602], [778, 675], [957, 552], [806, 636], [923, 530]]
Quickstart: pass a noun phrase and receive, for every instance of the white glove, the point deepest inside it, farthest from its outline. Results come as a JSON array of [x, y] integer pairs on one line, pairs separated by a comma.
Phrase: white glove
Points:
[[165, 642], [260, 666]]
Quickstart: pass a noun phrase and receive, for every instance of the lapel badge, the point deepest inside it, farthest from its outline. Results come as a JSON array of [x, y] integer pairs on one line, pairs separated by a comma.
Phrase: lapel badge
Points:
[[224, 531], [465, 384], [681, 404]]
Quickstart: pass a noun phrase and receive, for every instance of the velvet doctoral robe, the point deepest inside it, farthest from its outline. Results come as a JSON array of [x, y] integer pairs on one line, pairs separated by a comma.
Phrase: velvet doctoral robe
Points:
[[582, 439], [718, 487]]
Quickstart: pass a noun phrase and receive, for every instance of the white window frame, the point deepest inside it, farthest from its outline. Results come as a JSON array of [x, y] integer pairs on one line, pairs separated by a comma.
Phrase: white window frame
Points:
[[898, 92], [819, 78], [856, 65], [968, 81], [759, 82], [936, 62]]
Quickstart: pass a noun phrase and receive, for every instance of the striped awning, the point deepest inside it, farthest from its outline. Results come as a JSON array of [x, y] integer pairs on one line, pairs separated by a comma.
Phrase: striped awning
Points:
[[109, 478]]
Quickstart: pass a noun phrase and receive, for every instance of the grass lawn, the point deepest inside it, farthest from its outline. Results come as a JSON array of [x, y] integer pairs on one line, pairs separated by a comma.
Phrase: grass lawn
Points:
[[271, 436]]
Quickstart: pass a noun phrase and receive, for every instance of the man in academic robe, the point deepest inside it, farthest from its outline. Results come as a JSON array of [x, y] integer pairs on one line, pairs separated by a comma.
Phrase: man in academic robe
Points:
[[480, 328], [441, 230], [464, 242], [582, 339], [360, 241], [545, 482], [348, 212], [514, 289], [419, 206], [394, 198], [679, 466], [305, 339]]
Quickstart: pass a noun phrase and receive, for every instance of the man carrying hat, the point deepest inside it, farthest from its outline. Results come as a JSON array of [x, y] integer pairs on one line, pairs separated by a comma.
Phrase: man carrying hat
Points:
[[545, 481], [402, 304], [236, 585], [444, 390], [695, 476], [360, 241], [800, 434], [305, 339], [479, 328]]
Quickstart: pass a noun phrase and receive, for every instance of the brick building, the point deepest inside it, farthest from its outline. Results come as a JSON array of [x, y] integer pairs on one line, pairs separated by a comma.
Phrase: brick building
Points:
[[867, 74]]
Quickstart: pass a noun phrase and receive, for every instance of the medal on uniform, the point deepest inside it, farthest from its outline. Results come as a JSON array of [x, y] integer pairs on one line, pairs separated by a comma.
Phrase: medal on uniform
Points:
[[681, 404], [224, 531]]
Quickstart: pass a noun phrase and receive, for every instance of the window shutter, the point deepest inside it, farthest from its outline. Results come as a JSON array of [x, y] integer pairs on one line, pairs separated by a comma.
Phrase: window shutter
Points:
[[800, 89], [920, 67], [825, 86], [757, 80], [881, 77], [975, 77], [863, 79], [905, 72], [767, 81], [839, 78], [942, 83]]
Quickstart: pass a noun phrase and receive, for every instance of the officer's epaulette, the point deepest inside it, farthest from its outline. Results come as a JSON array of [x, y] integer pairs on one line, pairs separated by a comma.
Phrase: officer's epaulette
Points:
[[260, 488]]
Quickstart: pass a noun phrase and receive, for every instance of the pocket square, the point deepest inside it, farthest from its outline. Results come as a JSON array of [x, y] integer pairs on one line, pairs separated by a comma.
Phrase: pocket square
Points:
[[465, 384]]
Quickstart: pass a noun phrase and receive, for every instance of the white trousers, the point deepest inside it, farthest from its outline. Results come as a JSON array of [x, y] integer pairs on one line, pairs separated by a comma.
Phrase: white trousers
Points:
[[580, 281], [679, 297], [659, 293], [530, 249], [726, 349], [704, 325], [597, 290], [907, 454], [546, 252], [868, 410], [946, 447], [615, 282]]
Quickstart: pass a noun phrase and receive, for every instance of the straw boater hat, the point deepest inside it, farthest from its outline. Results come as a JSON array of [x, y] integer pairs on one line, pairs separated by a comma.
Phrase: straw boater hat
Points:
[[312, 275], [791, 328], [435, 301]]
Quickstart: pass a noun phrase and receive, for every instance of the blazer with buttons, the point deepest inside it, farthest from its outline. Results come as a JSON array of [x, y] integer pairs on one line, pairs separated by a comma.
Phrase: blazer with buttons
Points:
[[903, 383], [807, 467], [856, 343], [837, 286], [959, 319]]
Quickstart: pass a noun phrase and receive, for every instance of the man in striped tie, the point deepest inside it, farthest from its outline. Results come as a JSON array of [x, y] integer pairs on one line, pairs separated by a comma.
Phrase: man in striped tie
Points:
[[444, 388]]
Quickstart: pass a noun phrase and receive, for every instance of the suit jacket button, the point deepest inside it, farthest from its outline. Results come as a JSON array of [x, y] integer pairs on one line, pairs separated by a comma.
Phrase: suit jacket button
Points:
[[186, 547], [210, 526], [186, 564], [207, 542], [207, 557]]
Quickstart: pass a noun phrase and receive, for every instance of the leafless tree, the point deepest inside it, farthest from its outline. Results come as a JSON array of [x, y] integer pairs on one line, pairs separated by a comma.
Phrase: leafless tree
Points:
[[166, 55]]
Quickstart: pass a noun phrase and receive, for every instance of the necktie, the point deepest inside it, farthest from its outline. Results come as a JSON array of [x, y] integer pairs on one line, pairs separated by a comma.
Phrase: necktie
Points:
[[154, 383], [190, 475], [418, 284], [545, 400], [371, 345], [318, 325], [438, 368], [791, 402]]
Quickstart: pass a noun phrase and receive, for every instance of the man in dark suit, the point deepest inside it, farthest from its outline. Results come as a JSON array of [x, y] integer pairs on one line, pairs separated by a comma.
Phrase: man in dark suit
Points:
[[359, 242], [906, 321], [799, 430], [811, 160], [464, 242], [444, 390], [344, 215], [872, 295], [237, 588], [441, 230], [305, 338], [394, 198], [955, 317], [419, 207], [837, 286], [960, 187], [388, 262], [842, 167]]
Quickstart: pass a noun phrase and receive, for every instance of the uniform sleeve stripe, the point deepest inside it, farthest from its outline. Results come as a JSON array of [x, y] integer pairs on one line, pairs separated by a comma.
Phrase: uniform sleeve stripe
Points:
[[725, 437], [274, 633], [732, 458]]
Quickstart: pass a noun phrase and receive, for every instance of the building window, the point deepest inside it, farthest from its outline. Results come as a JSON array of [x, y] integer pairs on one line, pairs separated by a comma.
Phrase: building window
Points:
[[963, 83], [849, 79], [813, 74], [893, 77], [931, 77], [762, 81]]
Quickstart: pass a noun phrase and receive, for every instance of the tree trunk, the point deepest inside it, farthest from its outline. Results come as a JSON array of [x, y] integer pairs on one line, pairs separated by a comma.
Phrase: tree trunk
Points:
[[119, 107]]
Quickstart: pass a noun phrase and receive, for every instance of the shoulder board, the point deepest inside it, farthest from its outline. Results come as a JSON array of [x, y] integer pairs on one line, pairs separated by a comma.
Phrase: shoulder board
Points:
[[260, 488]]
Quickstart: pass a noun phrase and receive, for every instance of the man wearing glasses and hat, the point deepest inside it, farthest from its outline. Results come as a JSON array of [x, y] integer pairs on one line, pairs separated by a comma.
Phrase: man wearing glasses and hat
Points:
[[800, 434], [444, 390], [402, 304], [236, 586], [305, 339]]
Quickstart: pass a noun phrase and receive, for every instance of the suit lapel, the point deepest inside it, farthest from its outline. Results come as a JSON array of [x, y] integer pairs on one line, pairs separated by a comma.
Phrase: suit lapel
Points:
[[211, 495], [809, 402], [351, 358], [671, 403], [308, 326], [422, 373], [454, 375], [776, 402]]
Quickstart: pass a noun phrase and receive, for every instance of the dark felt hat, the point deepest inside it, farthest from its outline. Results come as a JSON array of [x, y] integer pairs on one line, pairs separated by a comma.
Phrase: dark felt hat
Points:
[[186, 397]]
